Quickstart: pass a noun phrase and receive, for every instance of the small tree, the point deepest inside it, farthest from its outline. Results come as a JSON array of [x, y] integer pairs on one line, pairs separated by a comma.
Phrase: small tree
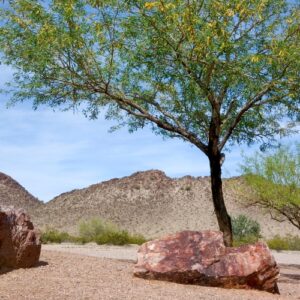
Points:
[[275, 179], [211, 72]]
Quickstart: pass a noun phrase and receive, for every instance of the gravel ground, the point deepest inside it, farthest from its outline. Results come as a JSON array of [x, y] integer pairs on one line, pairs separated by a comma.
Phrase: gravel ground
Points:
[[64, 275], [130, 252]]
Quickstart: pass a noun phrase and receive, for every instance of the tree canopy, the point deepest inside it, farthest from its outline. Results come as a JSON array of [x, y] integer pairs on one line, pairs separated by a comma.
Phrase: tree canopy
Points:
[[173, 64], [210, 72]]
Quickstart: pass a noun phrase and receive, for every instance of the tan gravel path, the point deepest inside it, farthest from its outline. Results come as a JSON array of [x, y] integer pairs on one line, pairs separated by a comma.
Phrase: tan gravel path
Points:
[[130, 252], [72, 276]]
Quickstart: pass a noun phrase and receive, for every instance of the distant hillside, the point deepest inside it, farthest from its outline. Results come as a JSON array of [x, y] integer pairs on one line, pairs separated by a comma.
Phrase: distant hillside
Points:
[[14, 194], [152, 204]]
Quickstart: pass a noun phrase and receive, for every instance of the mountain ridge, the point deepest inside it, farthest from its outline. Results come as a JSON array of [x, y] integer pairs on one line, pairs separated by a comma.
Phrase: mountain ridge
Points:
[[13, 193], [150, 203]]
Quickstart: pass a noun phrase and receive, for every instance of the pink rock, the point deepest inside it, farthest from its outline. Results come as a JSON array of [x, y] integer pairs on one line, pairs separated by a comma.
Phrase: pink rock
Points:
[[20, 245], [193, 257]]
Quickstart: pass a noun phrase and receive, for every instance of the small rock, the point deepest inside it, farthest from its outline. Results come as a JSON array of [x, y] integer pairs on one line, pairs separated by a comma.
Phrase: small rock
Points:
[[193, 257], [20, 244]]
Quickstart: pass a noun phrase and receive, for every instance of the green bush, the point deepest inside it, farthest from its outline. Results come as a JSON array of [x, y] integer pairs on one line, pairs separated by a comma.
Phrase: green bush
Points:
[[250, 239], [136, 239], [101, 232], [94, 230], [243, 226], [55, 236], [119, 238], [245, 230], [113, 237], [288, 242]]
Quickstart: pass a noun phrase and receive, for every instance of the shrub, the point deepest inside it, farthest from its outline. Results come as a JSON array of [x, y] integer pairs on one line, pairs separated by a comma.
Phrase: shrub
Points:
[[245, 230], [136, 239], [102, 232], [119, 238], [288, 242], [250, 239], [93, 228], [242, 226], [55, 236], [113, 237]]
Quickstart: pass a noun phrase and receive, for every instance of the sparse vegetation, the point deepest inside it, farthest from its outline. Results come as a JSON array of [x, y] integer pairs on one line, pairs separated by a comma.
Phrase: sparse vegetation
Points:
[[94, 227], [101, 232], [275, 182], [93, 230], [245, 230], [212, 73], [288, 242], [51, 235]]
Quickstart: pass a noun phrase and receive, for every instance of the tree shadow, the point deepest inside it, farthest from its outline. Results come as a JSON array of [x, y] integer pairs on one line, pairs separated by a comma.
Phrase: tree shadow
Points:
[[288, 274], [290, 266], [4, 270], [291, 276]]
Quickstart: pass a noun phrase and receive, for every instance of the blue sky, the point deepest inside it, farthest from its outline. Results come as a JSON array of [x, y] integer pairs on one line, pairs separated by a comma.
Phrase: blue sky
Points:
[[54, 152]]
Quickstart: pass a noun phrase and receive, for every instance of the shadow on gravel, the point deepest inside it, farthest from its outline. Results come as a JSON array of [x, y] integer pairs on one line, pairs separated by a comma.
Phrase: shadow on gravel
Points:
[[290, 266], [4, 270], [40, 263], [290, 278], [290, 273]]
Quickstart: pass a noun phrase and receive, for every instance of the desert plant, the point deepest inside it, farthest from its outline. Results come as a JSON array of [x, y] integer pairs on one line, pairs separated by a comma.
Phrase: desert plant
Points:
[[136, 239], [102, 232], [275, 182], [113, 237], [212, 73], [51, 235], [119, 238], [90, 229], [249, 239], [245, 230], [288, 242]]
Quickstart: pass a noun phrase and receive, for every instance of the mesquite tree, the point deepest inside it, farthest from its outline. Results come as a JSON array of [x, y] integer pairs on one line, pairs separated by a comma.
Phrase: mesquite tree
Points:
[[210, 72], [275, 181]]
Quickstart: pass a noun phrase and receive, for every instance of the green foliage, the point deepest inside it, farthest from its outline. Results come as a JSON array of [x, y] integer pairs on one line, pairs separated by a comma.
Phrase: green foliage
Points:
[[284, 243], [211, 73], [94, 227], [178, 65], [96, 230], [119, 238], [250, 239], [275, 180], [245, 230], [93, 230], [55, 236], [243, 226]]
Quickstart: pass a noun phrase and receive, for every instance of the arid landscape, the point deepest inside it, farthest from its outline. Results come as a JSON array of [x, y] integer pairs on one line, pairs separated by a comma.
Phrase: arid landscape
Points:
[[149, 203], [146, 202], [83, 272]]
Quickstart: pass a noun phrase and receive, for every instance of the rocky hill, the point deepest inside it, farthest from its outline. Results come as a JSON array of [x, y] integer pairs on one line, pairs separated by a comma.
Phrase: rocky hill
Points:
[[13, 194], [152, 204]]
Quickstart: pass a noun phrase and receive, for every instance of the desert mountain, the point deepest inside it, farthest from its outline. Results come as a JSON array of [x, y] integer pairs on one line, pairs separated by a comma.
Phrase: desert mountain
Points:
[[152, 204], [14, 194]]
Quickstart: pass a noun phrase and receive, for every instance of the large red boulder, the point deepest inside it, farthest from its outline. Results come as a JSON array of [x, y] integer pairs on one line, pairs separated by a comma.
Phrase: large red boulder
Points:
[[193, 257], [20, 246]]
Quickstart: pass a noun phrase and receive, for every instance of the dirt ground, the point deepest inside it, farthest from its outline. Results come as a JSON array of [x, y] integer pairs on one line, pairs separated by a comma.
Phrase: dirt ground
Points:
[[87, 274]]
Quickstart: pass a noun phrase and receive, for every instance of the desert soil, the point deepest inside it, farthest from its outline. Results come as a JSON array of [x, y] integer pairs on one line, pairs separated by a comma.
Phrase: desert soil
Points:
[[105, 272]]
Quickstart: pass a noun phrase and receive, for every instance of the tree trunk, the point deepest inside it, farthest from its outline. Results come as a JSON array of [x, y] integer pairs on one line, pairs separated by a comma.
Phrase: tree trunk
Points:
[[223, 218]]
